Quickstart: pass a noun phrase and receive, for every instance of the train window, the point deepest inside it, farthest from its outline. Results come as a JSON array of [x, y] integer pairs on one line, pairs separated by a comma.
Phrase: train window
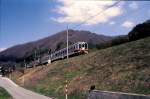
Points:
[[82, 45], [85, 46], [79, 45]]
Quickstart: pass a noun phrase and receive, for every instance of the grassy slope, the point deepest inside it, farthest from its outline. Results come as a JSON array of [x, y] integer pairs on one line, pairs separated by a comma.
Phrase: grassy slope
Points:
[[123, 68], [4, 94]]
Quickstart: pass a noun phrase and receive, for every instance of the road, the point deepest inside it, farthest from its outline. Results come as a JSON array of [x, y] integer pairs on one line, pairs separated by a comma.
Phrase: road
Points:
[[18, 92]]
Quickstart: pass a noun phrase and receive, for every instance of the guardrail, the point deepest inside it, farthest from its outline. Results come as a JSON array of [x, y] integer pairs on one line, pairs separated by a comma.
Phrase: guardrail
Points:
[[96, 94]]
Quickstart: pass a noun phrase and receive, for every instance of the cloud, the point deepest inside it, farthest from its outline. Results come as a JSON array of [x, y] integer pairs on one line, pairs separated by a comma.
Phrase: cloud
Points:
[[112, 23], [77, 11], [128, 24], [2, 49], [133, 5]]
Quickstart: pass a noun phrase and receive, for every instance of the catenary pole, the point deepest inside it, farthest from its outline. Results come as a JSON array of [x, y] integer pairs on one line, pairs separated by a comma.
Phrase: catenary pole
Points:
[[66, 89], [67, 42]]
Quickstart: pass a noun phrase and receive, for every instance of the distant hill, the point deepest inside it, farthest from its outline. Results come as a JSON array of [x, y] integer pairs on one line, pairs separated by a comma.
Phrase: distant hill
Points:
[[123, 68], [53, 42]]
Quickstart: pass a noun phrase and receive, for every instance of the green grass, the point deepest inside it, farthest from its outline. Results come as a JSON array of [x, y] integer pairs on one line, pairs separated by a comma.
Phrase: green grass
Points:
[[4, 94], [124, 68]]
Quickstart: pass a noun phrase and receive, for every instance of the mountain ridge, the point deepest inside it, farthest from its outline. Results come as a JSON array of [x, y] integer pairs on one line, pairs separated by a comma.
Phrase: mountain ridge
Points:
[[51, 42]]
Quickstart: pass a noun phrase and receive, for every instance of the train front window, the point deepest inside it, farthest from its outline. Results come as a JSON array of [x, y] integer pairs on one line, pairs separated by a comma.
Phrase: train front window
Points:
[[79, 45], [85, 46], [82, 45]]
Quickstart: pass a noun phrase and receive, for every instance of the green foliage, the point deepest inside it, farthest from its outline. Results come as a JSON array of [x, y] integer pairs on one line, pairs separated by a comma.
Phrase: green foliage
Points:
[[103, 45], [60, 45], [115, 41], [51, 93], [4, 94], [71, 74], [119, 40], [140, 31], [91, 45]]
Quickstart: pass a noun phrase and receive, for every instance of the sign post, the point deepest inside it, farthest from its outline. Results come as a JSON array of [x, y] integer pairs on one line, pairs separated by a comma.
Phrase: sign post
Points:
[[66, 89]]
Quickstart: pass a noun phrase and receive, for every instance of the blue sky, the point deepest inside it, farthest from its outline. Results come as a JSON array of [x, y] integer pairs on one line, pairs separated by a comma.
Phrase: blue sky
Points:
[[22, 21]]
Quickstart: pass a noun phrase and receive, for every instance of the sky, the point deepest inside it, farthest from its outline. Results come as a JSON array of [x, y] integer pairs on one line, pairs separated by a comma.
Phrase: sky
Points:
[[22, 21]]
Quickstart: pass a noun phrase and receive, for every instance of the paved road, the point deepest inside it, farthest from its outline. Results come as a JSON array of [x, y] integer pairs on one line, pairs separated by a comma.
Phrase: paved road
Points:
[[18, 92]]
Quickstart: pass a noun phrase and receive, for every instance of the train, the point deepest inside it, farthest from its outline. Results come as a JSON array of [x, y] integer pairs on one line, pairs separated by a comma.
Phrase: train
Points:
[[74, 49]]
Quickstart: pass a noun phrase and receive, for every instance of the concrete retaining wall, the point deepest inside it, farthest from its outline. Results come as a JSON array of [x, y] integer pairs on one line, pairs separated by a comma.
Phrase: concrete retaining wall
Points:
[[114, 95]]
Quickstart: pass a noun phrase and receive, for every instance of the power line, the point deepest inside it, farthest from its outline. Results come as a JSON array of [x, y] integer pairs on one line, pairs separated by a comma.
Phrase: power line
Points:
[[131, 14], [97, 14]]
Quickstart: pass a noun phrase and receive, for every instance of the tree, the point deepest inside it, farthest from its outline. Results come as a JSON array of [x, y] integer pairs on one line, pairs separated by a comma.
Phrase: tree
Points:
[[60, 45], [140, 31]]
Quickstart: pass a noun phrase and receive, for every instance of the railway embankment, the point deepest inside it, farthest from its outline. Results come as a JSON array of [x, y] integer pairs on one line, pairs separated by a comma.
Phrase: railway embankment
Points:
[[123, 68]]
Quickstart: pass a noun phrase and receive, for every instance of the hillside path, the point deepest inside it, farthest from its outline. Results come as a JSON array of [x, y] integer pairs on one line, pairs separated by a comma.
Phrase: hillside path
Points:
[[18, 92]]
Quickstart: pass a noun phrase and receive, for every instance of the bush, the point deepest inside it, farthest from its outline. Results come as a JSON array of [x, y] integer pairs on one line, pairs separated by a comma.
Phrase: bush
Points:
[[119, 40]]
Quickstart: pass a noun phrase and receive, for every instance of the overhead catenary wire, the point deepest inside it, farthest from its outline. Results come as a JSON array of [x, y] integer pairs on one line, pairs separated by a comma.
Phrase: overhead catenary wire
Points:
[[101, 12], [91, 17], [131, 14]]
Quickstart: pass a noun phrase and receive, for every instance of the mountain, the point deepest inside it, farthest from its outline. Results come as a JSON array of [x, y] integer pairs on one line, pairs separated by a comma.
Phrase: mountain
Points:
[[53, 42]]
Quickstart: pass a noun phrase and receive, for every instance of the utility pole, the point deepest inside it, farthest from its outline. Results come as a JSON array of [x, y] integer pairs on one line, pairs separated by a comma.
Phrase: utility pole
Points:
[[34, 58], [66, 86], [67, 42]]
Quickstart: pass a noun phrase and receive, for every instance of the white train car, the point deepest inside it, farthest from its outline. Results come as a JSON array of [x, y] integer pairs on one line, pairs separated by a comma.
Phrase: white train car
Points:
[[77, 48], [45, 59]]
